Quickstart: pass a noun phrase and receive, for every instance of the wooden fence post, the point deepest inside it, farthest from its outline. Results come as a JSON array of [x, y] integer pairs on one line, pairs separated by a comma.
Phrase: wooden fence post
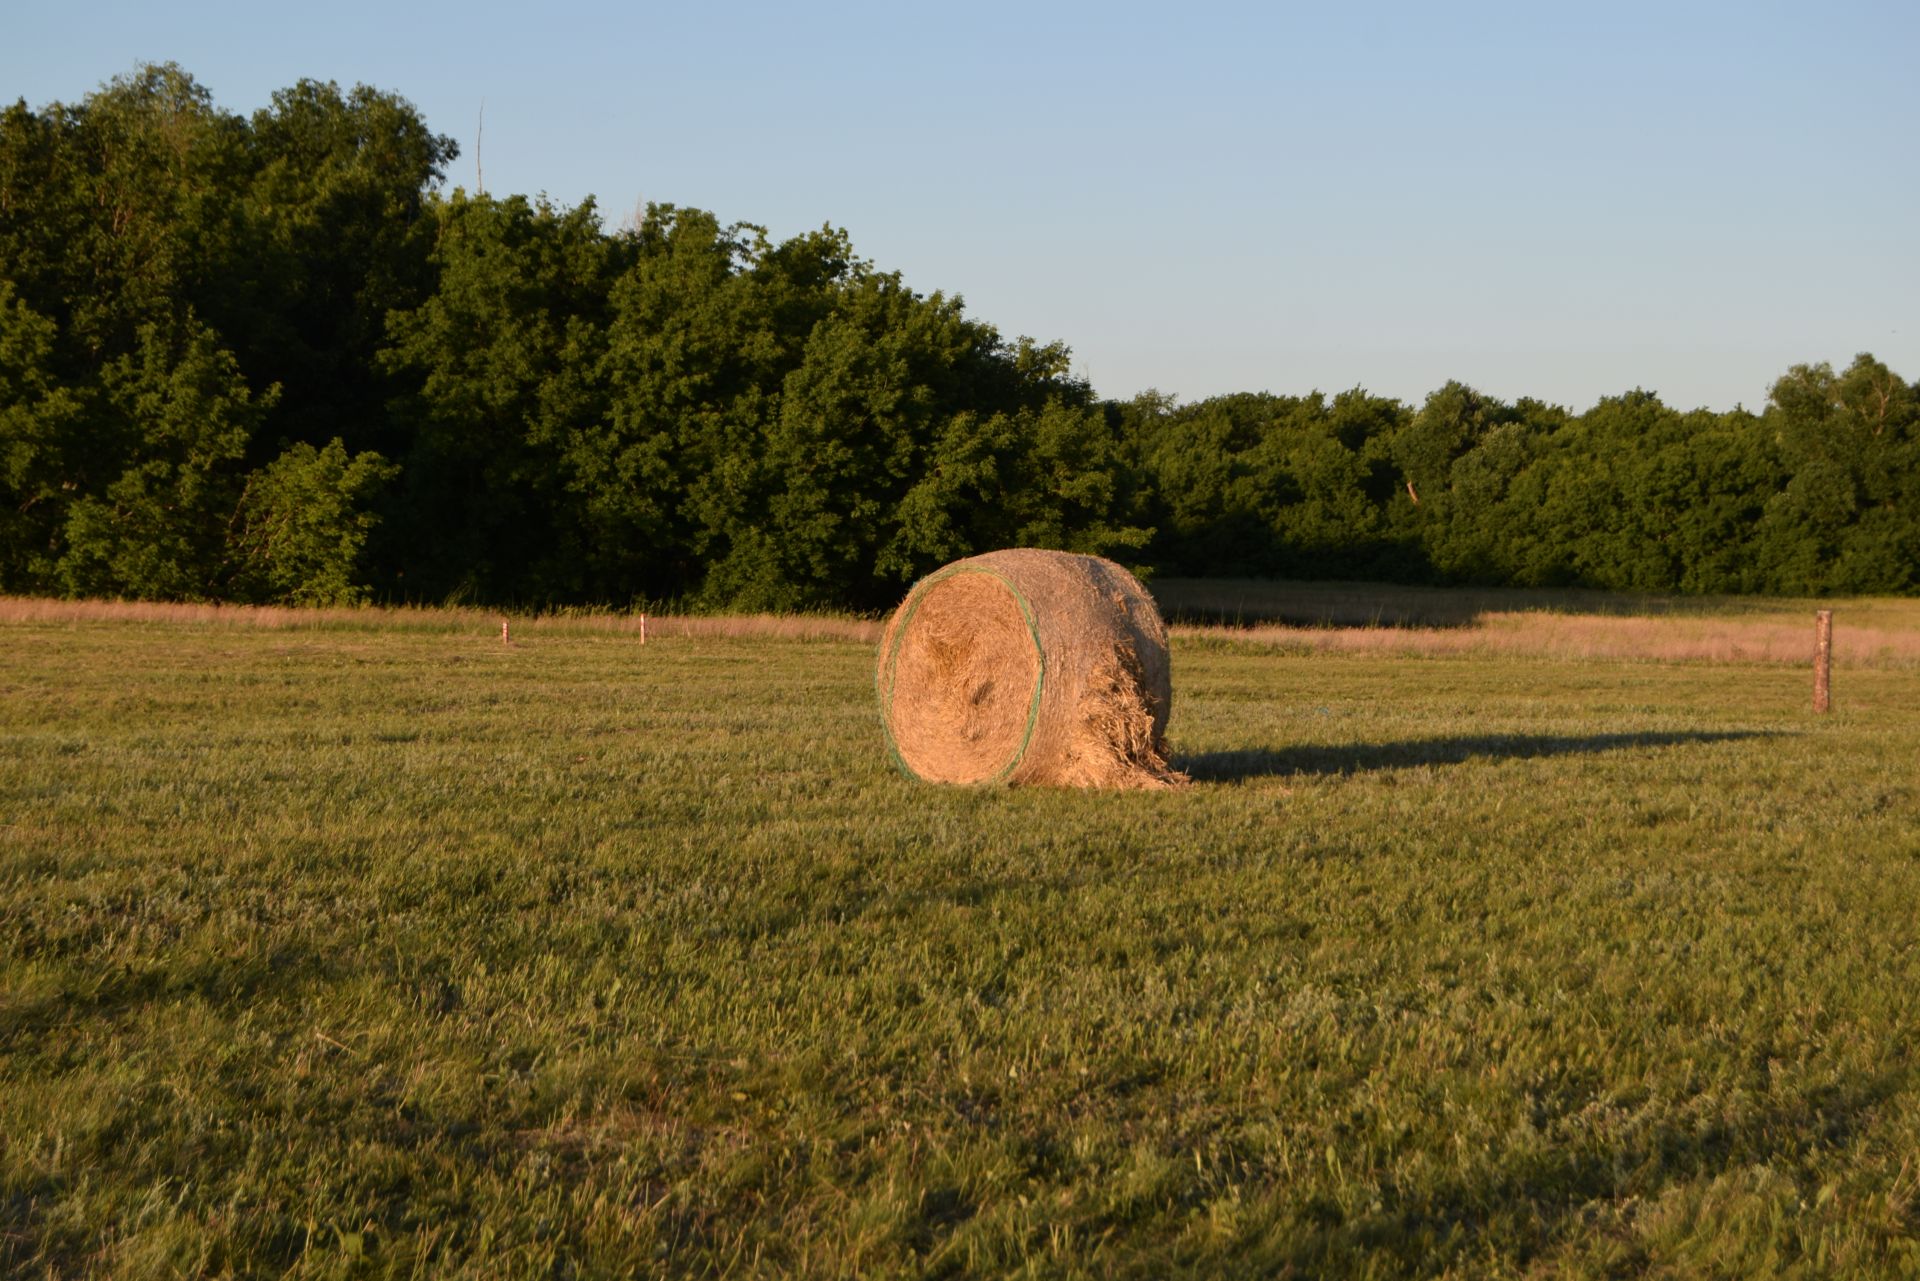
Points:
[[1822, 660]]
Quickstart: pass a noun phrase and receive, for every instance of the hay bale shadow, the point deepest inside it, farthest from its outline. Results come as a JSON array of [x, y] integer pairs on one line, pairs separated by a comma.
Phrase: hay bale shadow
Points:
[[1355, 758]]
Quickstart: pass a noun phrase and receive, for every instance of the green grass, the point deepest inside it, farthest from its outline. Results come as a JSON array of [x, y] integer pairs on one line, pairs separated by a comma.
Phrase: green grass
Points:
[[401, 952]]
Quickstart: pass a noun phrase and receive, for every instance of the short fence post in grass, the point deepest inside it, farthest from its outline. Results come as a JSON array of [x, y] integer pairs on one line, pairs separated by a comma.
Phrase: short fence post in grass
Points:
[[643, 629], [503, 633], [1822, 659]]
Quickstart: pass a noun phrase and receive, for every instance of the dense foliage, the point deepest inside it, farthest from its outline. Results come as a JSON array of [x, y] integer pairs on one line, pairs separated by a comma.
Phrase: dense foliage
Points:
[[272, 358], [1819, 493]]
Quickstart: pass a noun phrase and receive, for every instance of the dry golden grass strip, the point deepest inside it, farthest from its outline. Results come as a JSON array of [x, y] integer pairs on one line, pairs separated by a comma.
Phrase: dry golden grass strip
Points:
[[1764, 640], [1873, 632], [442, 618], [1246, 602]]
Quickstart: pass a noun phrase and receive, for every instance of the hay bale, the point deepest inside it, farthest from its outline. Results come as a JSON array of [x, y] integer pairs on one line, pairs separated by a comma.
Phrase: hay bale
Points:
[[1028, 667]]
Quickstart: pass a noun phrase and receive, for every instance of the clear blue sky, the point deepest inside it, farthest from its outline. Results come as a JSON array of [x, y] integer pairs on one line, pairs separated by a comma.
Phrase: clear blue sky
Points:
[[1544, 199]]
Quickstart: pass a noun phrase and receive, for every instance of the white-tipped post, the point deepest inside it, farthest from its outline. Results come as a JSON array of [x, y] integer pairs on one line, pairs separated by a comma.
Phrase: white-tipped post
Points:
[[1822, 660]]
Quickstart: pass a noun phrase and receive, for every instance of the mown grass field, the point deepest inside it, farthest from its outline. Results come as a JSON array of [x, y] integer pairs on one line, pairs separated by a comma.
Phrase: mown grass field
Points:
[[392, 951]]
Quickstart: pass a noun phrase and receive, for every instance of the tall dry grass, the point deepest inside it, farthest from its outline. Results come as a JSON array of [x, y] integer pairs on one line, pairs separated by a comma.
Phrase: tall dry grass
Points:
[[21, 610], [1597, 637], [1248, 602], [1867, 633]]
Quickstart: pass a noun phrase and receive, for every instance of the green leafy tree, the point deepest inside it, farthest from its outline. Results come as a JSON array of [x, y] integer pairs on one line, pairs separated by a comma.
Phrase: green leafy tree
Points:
[[1848, 518], [1215, 483], [1493, 507], [789, 427], [336, 206], [1052, 477], [40, 426], [1260, 484], [178, 416], [502, 355], [1336, 457], [1633, 474], [302, 523], [1450, 425], [856, 418], [119, 212], [707, 322]]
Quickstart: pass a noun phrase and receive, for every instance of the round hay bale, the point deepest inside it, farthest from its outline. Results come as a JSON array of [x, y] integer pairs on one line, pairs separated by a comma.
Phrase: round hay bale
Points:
[[1028, 667]]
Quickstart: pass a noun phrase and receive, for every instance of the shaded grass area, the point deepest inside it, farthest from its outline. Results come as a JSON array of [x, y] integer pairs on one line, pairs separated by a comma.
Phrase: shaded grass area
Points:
[[1349, 758], [362, 952]]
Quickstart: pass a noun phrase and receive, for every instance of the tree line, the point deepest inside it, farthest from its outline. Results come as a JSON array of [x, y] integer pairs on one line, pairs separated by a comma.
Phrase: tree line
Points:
[[274, 358]]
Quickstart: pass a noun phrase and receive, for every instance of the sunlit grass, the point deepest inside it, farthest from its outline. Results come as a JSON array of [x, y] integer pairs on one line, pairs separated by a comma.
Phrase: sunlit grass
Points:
[[374, 949]]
